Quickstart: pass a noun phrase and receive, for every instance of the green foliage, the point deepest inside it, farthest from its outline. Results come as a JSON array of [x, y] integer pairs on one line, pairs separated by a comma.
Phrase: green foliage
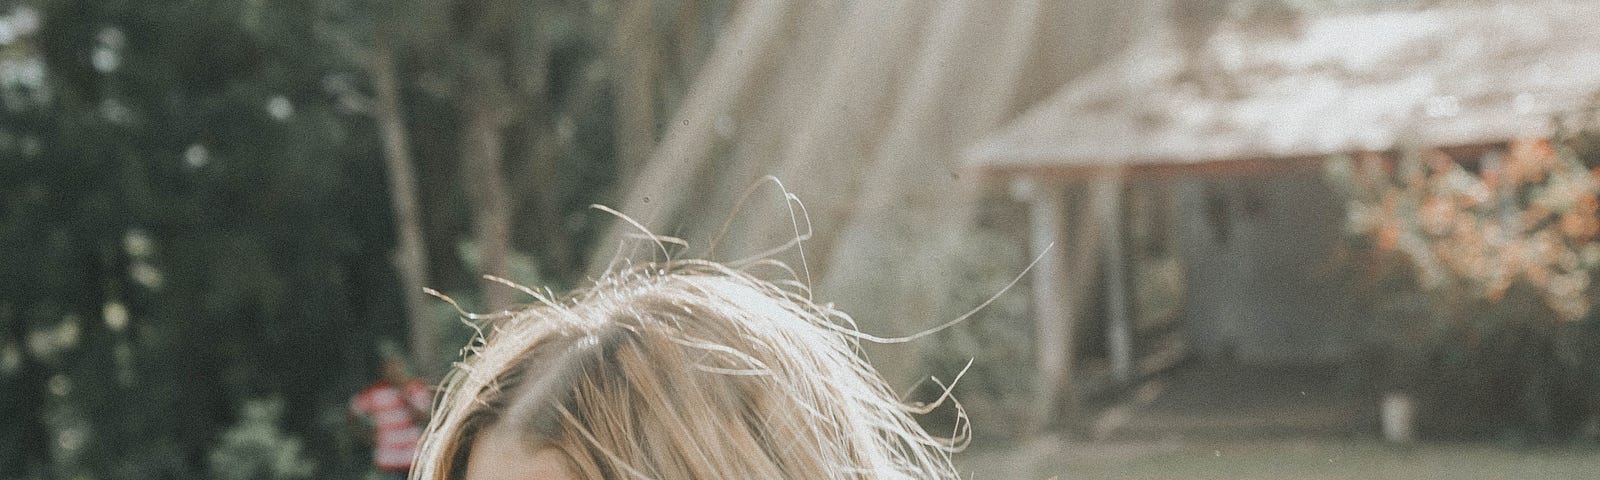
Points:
[[193, 215], [997, 340], [256, 448]]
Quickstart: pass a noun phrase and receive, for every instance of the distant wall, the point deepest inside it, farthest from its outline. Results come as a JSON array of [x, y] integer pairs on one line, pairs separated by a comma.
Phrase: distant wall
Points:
[[1261, 285]]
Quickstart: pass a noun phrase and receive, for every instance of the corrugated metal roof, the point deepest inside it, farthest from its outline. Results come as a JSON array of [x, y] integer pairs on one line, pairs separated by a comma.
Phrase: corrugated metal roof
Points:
[[1314, 86]]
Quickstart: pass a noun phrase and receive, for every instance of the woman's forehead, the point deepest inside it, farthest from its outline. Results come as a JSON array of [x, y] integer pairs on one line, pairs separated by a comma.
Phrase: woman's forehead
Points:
[[501, 453]]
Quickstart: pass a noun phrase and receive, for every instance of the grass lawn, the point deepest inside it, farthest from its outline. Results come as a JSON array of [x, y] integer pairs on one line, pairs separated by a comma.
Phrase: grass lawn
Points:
[[1288, 460]]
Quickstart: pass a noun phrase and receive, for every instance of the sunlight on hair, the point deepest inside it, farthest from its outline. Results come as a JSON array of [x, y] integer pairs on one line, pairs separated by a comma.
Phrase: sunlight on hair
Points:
[[687, 368]]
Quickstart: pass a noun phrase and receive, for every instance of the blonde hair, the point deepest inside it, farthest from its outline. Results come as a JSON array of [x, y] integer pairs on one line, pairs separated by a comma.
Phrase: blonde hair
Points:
[[685, 370]]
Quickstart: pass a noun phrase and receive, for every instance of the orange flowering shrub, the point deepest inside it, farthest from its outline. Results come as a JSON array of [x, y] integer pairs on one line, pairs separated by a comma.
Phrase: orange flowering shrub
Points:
[[1478, 222]]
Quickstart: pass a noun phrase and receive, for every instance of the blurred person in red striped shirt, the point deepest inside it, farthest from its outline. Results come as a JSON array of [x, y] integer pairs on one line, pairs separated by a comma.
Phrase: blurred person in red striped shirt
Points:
[[391, 413]]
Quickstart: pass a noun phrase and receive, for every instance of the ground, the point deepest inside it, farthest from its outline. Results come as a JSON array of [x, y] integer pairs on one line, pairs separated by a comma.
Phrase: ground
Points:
[[1289, 459], [1258, 423]]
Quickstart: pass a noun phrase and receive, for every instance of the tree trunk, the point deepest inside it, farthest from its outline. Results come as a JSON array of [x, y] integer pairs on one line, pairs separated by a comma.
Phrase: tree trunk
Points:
[[547, 225], [634, 75], [537, 173], [482, 153], [410, 258]]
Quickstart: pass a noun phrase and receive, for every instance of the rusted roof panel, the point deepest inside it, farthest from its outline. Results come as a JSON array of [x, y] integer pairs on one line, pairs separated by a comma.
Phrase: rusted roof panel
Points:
[[1308, 87]]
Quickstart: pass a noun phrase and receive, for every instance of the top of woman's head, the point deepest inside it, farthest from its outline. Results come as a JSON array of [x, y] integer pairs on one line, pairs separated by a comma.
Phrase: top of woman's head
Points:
[[686, 370]]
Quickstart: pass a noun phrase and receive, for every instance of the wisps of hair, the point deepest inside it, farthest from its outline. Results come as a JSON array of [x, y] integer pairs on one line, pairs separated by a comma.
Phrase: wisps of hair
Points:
[[682, 368]]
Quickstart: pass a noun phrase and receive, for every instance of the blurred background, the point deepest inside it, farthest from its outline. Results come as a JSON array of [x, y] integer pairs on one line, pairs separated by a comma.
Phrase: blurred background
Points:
[[1267, 238]]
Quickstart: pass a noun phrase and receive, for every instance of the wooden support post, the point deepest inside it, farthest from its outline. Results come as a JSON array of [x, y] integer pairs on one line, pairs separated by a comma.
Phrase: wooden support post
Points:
[[1052, 314], [1119, 329]]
